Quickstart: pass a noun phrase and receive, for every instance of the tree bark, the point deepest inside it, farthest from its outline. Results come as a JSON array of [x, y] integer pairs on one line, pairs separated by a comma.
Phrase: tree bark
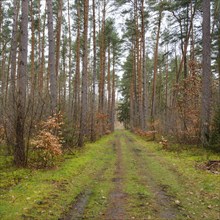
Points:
[[138, 68], [132, 89], [32, 53], [113, 95], [58, 36], [19, 152], [83, 118], [206, 75], [102, 69], [145, 95], [14, 51], [70, 62], [109, 84], [153, 105], [42, 59], [77, 74], [53, 82], [93, 135]]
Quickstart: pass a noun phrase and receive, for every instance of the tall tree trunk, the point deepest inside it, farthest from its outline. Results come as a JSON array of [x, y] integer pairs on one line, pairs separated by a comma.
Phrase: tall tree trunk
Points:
[[14, 51], [58, 36], [10, 128], [109, 84], [53, 82], [192, 49], [166, 92], [3, 76], [102, 68], [70, 62], [138, 68], [145, 95], [93, 135], [132, 89], [39, 32], [218, 58], [136, 114], [19, 152], [77, 74], [63, 81], [113, 95], [206, 75], [153, 105], [83, 118], [42, 60], [32, 87]]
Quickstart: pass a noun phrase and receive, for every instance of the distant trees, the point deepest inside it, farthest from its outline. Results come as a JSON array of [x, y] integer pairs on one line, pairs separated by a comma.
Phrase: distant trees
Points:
[[169, 85], [61, 76], [177, 68]]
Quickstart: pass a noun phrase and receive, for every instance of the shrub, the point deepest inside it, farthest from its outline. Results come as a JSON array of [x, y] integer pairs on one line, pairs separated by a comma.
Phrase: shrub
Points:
[[47, 145]]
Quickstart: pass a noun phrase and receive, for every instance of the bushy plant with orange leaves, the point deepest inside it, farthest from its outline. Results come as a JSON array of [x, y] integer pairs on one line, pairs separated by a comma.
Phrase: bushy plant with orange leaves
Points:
[[187, 106], [47, 145], [145, 134], [101, 122]]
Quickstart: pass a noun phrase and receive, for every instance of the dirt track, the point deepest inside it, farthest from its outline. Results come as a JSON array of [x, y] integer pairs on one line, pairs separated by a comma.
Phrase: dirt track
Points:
[[122, 205]]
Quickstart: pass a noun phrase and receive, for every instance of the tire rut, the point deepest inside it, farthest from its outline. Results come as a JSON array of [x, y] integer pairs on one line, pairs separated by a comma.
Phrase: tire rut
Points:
[[117, 198], [77, 209], [164, 206]]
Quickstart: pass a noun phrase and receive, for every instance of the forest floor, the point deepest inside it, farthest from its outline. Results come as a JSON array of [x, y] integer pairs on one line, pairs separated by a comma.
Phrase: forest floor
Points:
[[119, 177]]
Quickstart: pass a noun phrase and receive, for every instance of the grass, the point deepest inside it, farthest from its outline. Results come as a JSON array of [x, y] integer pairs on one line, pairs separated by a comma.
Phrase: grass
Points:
[[40, 194], [49, 194], [197, 190], [101, 188], [138, 195]]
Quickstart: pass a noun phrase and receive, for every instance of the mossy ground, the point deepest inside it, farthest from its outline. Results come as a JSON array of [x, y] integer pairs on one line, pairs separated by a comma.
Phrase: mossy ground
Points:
[[50, 194], [47, 194]]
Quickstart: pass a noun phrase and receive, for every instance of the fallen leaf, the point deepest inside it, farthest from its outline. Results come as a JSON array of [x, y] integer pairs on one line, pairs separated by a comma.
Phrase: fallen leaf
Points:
[[177, 202], [209, 206]]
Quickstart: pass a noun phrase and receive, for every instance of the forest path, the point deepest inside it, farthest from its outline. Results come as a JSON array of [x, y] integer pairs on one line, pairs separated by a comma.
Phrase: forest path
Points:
[[119, 177], [134, 189]]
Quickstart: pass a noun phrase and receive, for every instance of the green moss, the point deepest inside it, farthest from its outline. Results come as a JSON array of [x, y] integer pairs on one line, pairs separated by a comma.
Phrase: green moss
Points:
[[138, 194], [197, 190], [47, 194], [101, 189]]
